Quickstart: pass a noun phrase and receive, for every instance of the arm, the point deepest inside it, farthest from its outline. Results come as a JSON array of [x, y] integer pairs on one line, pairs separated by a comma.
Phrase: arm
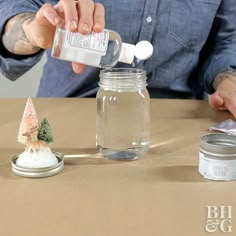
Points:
[[13, 66], [14, 37]]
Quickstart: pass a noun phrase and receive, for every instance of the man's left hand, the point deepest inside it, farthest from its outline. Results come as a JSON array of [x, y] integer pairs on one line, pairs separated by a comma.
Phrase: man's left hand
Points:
[[225, 96]]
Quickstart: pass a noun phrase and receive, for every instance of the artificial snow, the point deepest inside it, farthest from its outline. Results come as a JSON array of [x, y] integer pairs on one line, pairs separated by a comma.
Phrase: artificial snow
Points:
[[43, 157]]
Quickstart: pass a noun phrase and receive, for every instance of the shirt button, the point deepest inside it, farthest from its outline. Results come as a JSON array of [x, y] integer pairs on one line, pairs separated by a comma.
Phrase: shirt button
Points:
[[149, 19]]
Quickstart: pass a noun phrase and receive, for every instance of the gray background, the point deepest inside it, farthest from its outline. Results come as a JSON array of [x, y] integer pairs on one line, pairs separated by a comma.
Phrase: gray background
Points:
[[26, 85]]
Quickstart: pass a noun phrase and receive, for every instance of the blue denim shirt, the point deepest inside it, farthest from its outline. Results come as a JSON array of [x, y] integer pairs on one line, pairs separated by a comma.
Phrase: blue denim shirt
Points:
[[193, 41]]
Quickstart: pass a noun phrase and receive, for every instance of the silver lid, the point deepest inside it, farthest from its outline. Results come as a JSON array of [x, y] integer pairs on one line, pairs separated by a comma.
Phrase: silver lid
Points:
[[38, 172], [219, 145]]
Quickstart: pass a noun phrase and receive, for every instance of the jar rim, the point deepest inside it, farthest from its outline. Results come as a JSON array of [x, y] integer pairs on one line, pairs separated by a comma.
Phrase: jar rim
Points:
[[126, 79], [124, 73], [218, 144]]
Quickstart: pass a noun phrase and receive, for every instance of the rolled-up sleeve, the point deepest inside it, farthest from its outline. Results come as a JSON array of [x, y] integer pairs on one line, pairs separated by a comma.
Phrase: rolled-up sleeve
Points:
[[221, 45], [13, 66]]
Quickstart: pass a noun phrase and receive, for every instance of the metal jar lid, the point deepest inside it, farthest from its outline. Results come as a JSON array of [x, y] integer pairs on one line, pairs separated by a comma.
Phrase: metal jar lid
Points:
[[219, 145], [38, 172]]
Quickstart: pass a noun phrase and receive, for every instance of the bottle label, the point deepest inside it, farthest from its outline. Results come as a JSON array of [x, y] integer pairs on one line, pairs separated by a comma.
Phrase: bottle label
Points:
[[217, 169], [94, 43]]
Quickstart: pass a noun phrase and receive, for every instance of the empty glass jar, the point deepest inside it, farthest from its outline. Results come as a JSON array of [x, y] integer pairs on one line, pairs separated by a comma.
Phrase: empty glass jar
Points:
[[123, 117]]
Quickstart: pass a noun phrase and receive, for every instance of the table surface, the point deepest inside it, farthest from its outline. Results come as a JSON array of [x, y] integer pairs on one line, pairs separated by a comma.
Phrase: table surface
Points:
[[161, 194]]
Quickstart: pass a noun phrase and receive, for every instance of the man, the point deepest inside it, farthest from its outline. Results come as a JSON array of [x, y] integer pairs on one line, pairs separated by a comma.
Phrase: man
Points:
[[194, 44]]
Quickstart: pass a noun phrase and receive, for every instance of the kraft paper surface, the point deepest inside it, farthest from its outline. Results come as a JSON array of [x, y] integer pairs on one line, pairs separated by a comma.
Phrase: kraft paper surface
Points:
[[161, 194]]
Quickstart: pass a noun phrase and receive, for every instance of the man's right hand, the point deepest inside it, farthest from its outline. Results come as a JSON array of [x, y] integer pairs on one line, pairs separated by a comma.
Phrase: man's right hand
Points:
[[26, 33], [83, 16]]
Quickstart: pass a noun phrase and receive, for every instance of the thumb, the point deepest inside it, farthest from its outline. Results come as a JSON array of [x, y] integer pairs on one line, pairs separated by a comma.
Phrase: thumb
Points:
[[216, 101]]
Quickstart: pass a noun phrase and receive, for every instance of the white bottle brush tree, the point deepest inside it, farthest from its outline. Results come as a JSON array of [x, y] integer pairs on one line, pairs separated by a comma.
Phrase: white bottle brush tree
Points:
[[30, 133], [35, 138]]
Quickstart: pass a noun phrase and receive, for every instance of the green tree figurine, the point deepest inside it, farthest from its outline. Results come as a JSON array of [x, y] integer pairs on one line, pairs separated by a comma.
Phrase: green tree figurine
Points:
[[45, 131]]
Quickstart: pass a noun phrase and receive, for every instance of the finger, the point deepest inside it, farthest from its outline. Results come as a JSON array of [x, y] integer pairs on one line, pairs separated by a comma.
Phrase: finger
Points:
[[59, 10], [85, 9], [99, 17], [216, 101], [47, 14], [78, 68], [232, 109], [230, 101], [71, 15]]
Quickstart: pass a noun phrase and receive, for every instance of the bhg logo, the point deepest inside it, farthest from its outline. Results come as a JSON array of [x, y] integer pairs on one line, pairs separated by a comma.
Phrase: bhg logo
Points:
[[219, 218]]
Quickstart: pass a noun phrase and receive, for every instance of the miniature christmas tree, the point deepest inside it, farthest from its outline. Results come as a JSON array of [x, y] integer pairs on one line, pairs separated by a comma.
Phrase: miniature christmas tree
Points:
[[37, 153], [45, 131], [29, 123]]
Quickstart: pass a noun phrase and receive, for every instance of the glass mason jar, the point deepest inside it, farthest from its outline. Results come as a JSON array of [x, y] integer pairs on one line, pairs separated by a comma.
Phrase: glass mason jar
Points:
[[123, 117]]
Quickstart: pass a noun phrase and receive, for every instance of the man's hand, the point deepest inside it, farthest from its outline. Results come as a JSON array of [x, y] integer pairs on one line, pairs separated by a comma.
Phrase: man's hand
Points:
[[26, 33], [225, 96]]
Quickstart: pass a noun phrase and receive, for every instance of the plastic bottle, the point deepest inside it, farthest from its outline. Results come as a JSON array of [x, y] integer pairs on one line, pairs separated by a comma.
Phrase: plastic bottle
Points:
[[102, 50]]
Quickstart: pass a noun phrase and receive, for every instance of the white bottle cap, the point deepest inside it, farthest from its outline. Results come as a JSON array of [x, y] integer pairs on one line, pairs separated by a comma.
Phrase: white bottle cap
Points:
[[143, 50], [127, 53]]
